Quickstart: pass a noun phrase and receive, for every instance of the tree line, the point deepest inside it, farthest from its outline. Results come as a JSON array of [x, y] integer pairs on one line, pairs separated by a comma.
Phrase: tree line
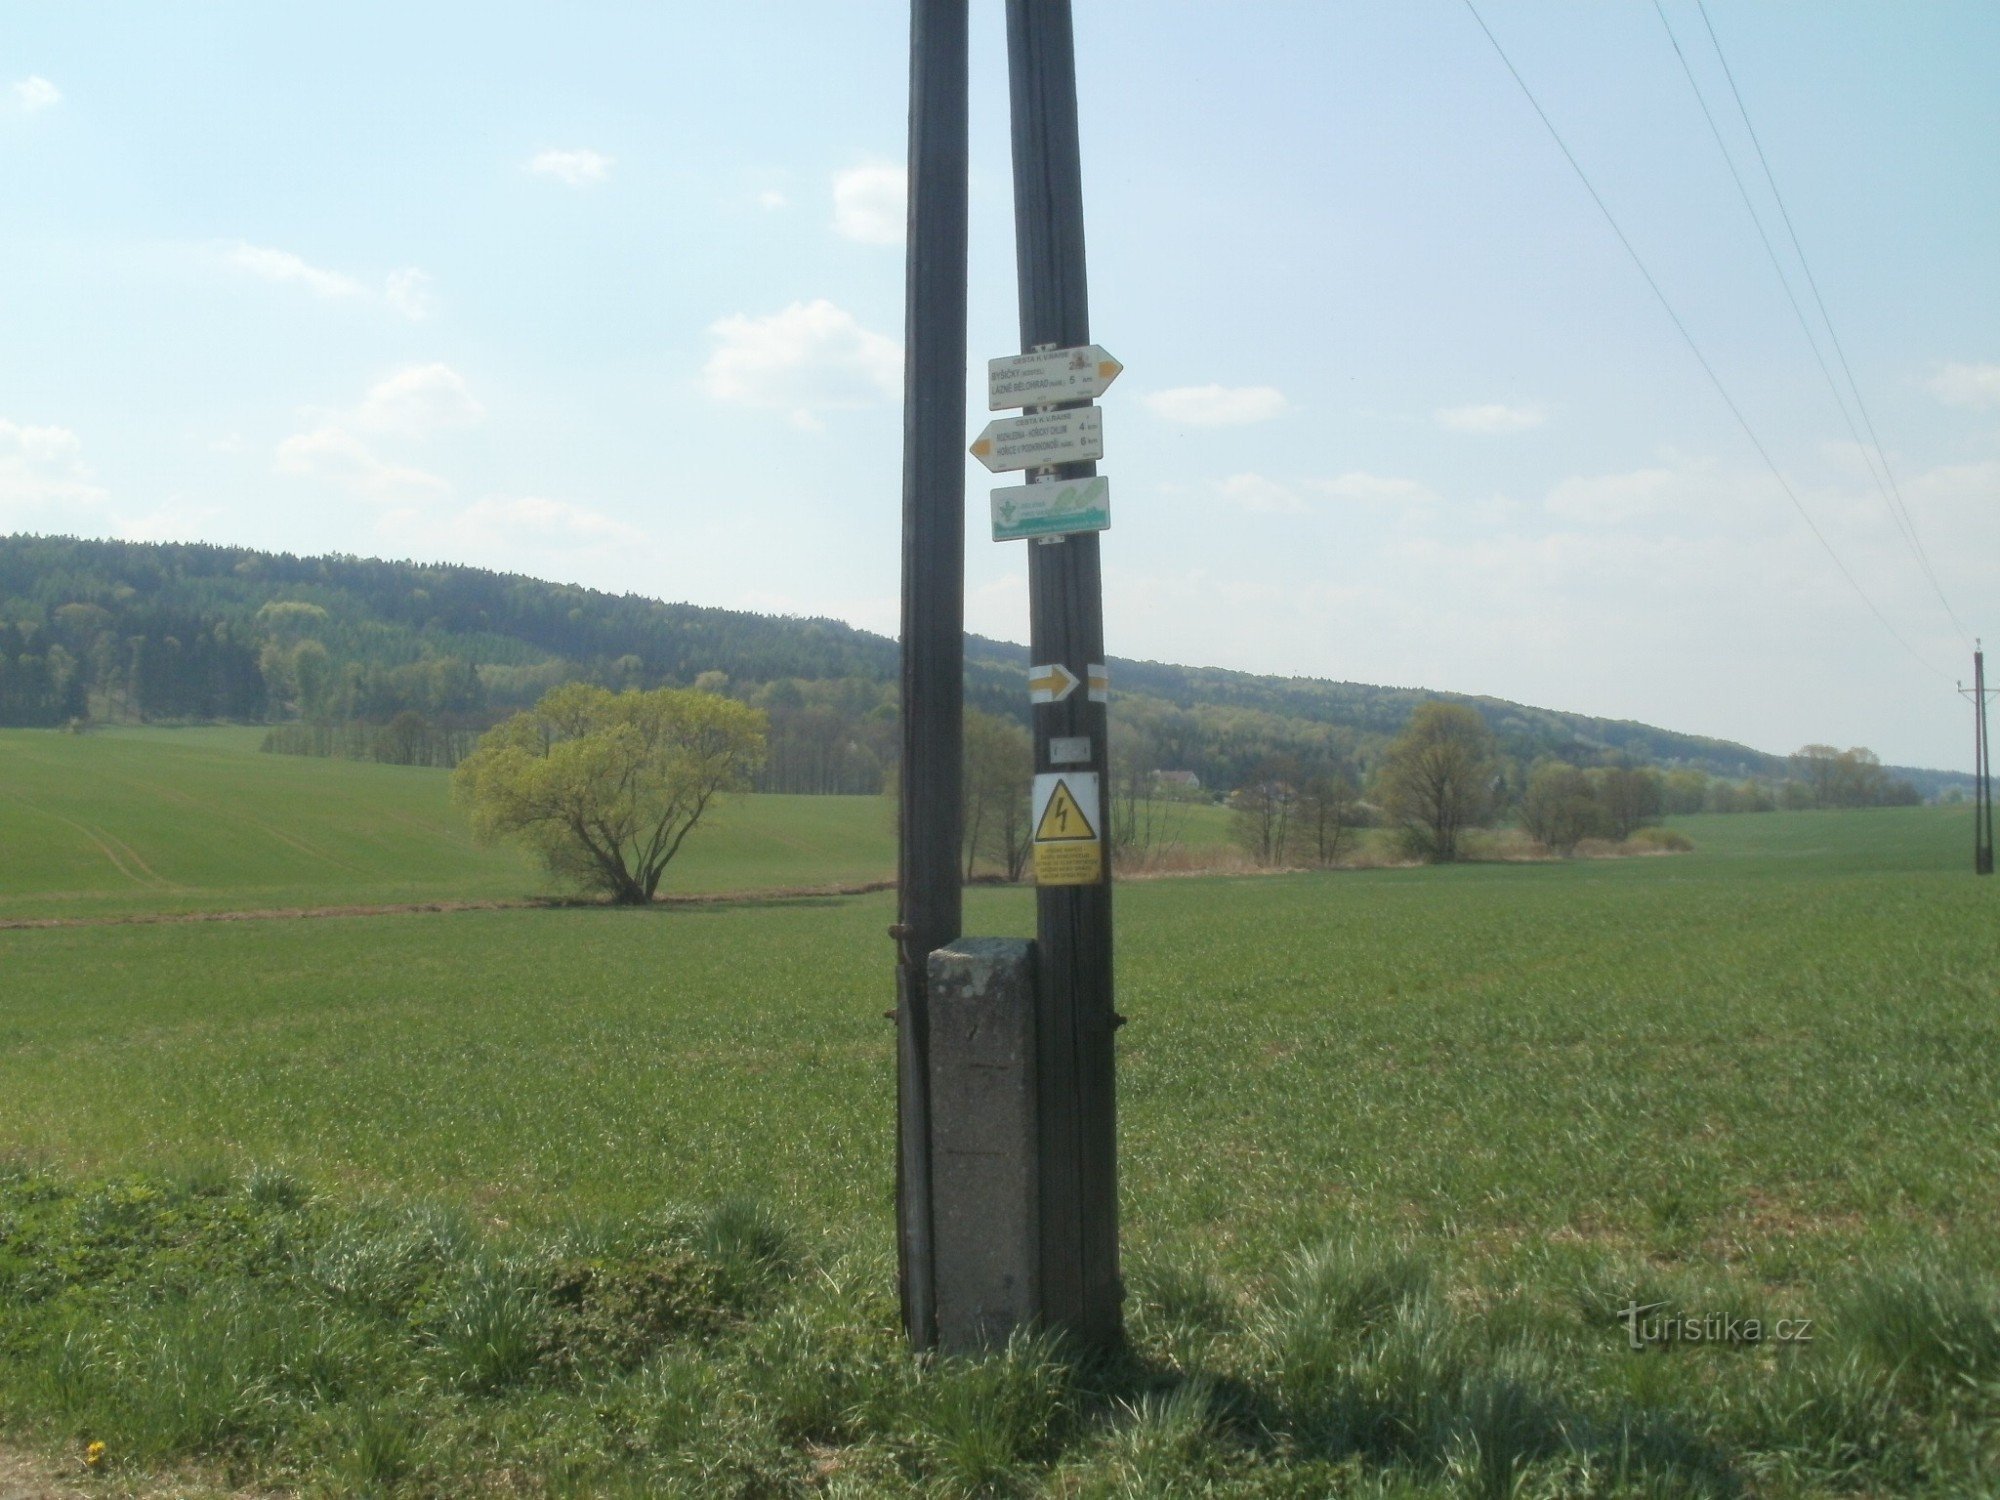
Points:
[[406, 662], [1445, 777]]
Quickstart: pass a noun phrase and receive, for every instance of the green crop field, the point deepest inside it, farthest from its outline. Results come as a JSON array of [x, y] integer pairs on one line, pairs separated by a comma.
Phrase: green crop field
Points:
[[196, 820], [583, 1201]]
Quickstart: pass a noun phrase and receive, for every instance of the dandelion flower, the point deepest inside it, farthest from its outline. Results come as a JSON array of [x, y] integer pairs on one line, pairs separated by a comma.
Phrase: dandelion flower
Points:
[[94, 1455]]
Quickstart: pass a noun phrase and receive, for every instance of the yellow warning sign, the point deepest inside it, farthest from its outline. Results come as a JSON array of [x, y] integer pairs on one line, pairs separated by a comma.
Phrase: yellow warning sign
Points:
[[1069, 864], [1068, 848], [1062, 819]]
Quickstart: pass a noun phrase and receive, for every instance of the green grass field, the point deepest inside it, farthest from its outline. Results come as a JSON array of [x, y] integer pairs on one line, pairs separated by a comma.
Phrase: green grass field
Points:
[[195, 820], [1395, 1145]]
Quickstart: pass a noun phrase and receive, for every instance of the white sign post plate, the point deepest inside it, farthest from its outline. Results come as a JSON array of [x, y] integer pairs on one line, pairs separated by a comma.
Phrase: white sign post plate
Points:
[[1048, 437], [1048, 376], [1053, 507]]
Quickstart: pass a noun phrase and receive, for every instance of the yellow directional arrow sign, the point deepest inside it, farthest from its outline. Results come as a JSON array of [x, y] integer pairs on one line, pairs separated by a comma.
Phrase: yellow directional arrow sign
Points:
[[1052, 683]]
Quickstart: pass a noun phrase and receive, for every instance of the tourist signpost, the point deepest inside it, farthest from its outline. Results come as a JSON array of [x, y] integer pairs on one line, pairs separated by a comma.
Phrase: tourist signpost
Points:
[[1060, 366], [955, 1275]]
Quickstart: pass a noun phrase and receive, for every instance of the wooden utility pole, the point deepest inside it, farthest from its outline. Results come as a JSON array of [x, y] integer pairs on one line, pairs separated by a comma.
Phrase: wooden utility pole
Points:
[[928, 903], [1982, 769], [1077, 1155]]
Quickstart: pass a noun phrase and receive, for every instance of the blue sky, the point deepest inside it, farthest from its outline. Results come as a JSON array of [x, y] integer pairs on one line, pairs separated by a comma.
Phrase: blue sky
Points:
[[612, 294]]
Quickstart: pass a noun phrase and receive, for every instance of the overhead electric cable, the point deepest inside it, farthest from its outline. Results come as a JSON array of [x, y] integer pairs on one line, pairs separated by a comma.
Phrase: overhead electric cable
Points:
[[1695, 348], [1771, 251], [1899, 508]]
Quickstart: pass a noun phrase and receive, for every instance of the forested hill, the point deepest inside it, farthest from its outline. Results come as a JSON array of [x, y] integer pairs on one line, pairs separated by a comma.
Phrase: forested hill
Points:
[[129, 631], [1373, 711]]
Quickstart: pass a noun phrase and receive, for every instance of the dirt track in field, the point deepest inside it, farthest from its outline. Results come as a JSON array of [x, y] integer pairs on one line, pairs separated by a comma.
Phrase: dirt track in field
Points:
[[412, 908], [27, 1476]]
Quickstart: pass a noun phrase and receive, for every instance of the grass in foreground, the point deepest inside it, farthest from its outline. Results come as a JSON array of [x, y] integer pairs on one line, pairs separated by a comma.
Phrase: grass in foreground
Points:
[[397, 1349], [1396, 1145]]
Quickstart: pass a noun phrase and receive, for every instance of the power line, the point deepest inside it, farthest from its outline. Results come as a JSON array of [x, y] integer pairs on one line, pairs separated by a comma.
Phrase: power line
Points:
[[1899, 510], [1695, 348], [1770, 250]]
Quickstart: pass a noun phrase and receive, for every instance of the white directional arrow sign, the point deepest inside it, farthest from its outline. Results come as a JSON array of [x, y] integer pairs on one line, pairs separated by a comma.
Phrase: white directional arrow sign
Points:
[[1052, 683], [1049, 437], [1048, 376]]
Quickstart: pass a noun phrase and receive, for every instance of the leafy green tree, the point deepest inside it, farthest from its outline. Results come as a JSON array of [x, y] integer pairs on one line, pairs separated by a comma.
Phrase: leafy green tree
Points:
[[604, 786], [1560, 808], [1437, 779], [1630, 797], [1685, 791], [1816, 768], [1860, 780]]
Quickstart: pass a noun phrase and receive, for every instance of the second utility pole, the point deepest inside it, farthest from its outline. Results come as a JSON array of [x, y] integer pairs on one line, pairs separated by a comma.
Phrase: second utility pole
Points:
[[1982, 769], [928, 901]]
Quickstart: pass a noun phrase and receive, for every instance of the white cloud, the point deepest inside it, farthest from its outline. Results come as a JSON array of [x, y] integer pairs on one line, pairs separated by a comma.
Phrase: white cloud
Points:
[[333, 455], [1253, 492], [287, 269], [1377, 489], [42, 471], [1491, 419], [535, 518], [1976, 386], [870, 204], [1218, 405], [578, 168], [35, 93], [1608, 499], [810, 358], [419, 400], [408, 292], [172, 522], [547, 519], [771, 200], [522, 532], [340, 449]]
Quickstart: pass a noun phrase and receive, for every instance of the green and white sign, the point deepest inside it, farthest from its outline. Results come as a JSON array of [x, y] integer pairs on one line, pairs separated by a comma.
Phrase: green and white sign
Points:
[[1052, 507]]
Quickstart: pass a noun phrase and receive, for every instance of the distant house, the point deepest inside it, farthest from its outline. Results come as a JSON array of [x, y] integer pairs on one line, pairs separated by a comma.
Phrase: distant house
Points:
[[1184, 781]]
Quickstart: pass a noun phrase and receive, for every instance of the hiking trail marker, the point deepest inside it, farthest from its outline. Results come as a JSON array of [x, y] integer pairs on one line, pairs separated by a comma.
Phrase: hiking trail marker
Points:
[[1046, 376], [1074, 435], [1069, 842], [1051, 684]]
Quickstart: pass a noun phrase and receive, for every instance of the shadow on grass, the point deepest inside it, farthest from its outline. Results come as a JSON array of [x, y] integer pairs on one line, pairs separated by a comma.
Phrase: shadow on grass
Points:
[[1359, 1363]]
